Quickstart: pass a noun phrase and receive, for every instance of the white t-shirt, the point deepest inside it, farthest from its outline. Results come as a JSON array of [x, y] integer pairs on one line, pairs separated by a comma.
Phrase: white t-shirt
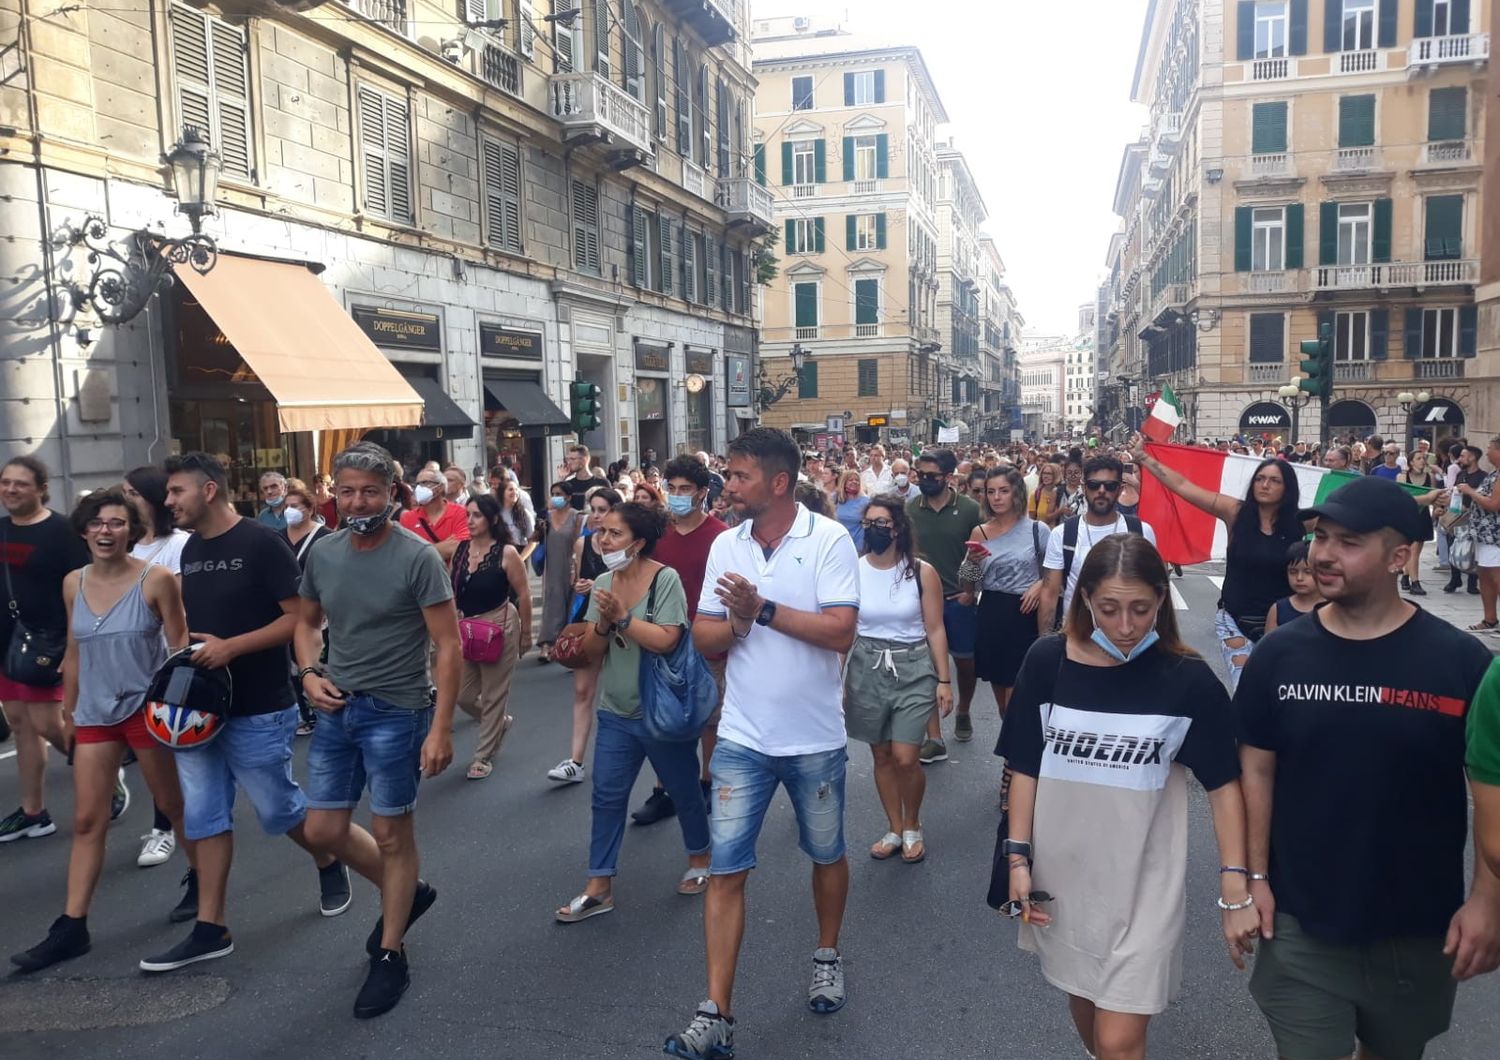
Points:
[[876, 481], [783, 696], [1088, 536], [164, 551]]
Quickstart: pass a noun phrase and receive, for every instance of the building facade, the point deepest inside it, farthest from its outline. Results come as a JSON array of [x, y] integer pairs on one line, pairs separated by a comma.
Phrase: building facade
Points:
[[1307, 163], [502, 205], [1078, 396], [1000, 327], [1043, 365], [960, 215]]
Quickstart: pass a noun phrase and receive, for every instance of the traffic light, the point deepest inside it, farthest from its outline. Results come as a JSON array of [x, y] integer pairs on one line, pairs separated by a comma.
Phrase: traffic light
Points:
[[584, 398], [1317, 364]]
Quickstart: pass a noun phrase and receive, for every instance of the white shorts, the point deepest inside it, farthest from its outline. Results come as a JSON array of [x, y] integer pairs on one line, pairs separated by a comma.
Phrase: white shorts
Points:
[[1487, 555]]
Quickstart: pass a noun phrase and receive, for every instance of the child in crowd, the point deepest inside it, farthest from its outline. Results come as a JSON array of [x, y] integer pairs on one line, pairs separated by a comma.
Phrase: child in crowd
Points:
[[1305, 595]]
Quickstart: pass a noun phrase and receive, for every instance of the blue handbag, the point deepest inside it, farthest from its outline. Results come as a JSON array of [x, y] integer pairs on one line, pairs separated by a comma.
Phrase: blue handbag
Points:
[[678, 693], [539, 558]]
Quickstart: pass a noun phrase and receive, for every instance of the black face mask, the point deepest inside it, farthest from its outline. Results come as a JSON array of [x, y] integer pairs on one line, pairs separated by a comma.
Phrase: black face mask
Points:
[[931, 487], [878, 538]]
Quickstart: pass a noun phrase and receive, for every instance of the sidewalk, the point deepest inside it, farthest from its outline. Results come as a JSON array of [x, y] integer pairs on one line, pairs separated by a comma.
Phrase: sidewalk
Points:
[[1458, 608]]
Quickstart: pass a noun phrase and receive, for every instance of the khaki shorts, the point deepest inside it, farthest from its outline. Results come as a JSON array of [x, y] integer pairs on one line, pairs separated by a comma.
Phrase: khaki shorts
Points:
[[1319, 998], [890, 690]]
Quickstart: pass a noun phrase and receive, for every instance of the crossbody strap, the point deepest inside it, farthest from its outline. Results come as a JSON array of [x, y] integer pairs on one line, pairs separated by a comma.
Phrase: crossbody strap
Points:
[[10, 592]]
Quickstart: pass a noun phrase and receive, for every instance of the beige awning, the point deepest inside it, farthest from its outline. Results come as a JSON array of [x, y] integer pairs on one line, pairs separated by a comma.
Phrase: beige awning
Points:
[[323, 371]]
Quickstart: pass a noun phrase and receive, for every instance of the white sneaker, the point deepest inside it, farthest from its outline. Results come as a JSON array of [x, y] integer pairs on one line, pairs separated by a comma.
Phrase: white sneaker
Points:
[[567, 772], [156, 848]]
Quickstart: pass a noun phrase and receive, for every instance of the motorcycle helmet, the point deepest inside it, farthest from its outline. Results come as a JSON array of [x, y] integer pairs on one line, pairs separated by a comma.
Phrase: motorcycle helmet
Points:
[[187, 705]]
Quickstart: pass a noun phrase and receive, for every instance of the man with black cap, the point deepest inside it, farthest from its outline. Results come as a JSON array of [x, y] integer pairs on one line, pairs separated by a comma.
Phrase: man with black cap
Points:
[[1352, 749]]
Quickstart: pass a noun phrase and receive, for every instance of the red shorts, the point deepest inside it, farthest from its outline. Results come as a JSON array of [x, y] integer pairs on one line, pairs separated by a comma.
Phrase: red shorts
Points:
[[131, 732], [11, 692]]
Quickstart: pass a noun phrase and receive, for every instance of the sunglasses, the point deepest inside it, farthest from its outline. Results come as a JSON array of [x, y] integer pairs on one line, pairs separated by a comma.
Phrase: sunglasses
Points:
[[1017, 906], [927, 476], [869, 524], [1096, 484]]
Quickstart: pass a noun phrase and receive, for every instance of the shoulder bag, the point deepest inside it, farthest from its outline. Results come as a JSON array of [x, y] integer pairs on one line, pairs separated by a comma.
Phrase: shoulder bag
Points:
[[677, 691], [32, 656]]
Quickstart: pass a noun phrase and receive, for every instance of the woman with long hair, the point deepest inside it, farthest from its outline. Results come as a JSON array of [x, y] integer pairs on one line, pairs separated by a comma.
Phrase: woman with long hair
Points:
[[1103, 722], [589, 564], [850, 503], [520, 520], [897, 671], [122, 614], [557, 534], [1261, 527], [490, 587], [1049, 504]]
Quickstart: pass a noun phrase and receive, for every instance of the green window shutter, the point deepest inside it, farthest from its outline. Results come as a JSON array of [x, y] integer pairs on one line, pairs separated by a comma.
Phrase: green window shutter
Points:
[[760, 164], [848, 90], [787, 172], [1380, 333], [818, 244], [869, 377], [1245, 35], [1445, 228], [1380, 244], [1424, 18], [807, 381], [710, 270], [638, 269], [1460, 17], [1333, 26], [1242, 233], [807, 305], [665, 249], [851, 235], [791, 237], [1297, 35], [1294, 236], [1268, 128], [848, 158], [1328, 233], [866, 301], [1267, 338], [1389, 10], [1468, 330], [1413, 334], [820, 162], [879, 86], [880, 231], [1356, 121], [1447, 117], [882, 156]]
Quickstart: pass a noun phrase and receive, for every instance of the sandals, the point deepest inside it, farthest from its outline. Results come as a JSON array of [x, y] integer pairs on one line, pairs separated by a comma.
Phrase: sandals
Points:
[[911, 839], [479, 769], [886, 847], [694, 881], [1483, 626], [585, 906]]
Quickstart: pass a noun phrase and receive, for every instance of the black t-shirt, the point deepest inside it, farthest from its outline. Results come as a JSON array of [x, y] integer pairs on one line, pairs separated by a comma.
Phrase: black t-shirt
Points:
[[1370, 815], [38, 557], [576, 489], [1255, 576], [234, 584]]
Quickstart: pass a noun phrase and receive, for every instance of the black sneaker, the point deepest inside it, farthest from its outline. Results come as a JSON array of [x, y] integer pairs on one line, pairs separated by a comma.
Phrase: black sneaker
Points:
[[1452, 587], [205, 943], [333, 885], [387, 981], [67, 937], [420, 903], [1405, 582], [23, 825], [120, 801], [187, 909], [656, 808]]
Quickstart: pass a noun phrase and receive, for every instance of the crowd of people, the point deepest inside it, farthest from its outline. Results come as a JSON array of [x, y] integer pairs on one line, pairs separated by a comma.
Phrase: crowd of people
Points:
[[857, 595]]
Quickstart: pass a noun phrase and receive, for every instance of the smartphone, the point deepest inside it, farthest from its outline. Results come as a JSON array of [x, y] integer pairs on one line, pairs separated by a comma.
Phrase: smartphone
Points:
[[977, 547]]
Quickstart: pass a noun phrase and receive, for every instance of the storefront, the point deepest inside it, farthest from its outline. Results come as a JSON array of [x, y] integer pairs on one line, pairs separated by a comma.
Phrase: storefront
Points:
[[1266, 420], [519, 417], [1437, 419], [1350, 418], [653, 398], [700, 399]]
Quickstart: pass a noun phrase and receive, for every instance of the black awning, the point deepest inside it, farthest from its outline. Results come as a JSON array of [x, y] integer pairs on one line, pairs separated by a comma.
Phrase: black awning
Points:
[[530, 405], [439, 409]]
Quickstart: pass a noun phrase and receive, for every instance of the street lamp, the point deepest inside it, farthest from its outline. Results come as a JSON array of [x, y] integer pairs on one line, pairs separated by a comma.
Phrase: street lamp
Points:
[[770, 392], [1294, 398], [1407, 399], [122, 278]]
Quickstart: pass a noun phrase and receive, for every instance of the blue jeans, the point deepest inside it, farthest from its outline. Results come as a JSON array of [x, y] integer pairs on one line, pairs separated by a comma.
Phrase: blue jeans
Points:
[[256, 751], [371, 741], [620, 748], [744, 781], [961, 624]]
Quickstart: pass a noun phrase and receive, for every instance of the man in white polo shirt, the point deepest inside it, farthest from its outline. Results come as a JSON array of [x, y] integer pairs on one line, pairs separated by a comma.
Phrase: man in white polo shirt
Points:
[[781, 596]]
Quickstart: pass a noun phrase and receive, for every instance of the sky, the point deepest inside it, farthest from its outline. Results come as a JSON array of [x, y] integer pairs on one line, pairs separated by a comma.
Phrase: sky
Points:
[[1038, 100]]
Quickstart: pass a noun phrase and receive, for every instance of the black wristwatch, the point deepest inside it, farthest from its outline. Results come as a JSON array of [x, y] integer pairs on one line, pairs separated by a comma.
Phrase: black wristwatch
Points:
[[1015, 846], [767, 614]]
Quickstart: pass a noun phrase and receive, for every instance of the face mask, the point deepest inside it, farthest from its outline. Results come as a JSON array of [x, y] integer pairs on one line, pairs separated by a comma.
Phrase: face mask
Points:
[[680, 506], [614, 561], [276, 502], [878, 538], [365, 525], [558, 502], [1109, 648], [902, 481], [423, 494], [294, 517], [931, 488]]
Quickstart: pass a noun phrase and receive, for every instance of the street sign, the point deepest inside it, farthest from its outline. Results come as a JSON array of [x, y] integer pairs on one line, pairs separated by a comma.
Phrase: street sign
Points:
[[877, 421], [835, 425]]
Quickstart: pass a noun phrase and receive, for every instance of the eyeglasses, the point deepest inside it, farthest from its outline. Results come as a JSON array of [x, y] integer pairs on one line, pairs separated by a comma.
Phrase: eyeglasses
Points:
[[928, 476], [93, 526], [1101, 484], [870, 524], [1016, 906]]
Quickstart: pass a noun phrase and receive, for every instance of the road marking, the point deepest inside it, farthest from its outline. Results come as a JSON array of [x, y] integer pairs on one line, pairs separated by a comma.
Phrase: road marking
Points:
[[1178, 602], [7, 754], [1218, 581]]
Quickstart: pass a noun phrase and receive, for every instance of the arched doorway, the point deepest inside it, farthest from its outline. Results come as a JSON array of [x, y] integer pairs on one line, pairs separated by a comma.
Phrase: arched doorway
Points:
[[1350, 417], [1437, 419], [1265, 420]]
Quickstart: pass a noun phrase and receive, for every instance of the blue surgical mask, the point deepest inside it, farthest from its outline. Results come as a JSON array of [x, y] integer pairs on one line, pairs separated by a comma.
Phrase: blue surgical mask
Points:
[[276, 502], [1108, 646], [679, 505], [558, 502]]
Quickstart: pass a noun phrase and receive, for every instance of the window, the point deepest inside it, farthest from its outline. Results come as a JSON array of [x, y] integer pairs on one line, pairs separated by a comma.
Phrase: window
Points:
[[804, 162], [211, 75], [1270, 29], [1445, 227], [869, 377], [689, 245], [806, 301], [1444, 22], [666, 263], [804, 235], [1440, 333], [659, 68], [1355, 231], [864, 232], [1267, 338], [867, 302], [502, 195], [1351, 336], [1268, 244], [681, 76], [866, 153], [1268, 128], [861, 88], [1356, 121], [634, 72], [1447, 114], [585, 227], [1359, 24], [723, 104], [802, 93], [566, 40], [385, 143], [807, 380], [704, 281], [600, 18]]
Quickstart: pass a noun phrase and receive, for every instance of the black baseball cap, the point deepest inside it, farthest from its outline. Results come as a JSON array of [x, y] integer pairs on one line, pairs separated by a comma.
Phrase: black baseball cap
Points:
[[1372, 503]]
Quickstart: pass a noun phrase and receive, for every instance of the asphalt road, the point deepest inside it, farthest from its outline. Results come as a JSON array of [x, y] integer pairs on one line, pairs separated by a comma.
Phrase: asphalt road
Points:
[[931, 971]]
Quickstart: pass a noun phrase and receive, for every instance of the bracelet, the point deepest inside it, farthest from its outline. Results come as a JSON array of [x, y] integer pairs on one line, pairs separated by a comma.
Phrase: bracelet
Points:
[[1261, 876], [1230, 907], [600, 632], [1234, 868], [949, 682], [302, 673]]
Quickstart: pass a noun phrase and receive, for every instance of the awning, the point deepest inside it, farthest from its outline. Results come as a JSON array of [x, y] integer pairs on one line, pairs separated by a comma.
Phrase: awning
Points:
[[324, 373], [530, 405], [439, 410]]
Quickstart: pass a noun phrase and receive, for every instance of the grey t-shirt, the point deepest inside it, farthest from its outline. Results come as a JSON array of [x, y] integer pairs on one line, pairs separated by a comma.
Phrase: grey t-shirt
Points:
[[377, 637], [1015, 561]]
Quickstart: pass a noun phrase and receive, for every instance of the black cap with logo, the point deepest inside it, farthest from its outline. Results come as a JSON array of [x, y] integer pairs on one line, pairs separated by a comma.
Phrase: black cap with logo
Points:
[[1372, 503]]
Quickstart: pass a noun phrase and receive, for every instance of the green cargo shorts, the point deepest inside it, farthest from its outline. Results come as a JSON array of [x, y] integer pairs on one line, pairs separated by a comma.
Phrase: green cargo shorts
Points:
[[1394, 996], [890, 690]]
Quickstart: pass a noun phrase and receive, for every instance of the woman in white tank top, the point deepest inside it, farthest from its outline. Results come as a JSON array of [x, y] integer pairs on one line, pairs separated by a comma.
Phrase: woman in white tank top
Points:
[[897, 671]]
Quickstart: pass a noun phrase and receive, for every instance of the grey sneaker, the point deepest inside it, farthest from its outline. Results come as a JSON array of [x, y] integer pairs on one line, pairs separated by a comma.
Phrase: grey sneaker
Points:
[[709, 1037], [963, 727], [827, 991], [932, 751]]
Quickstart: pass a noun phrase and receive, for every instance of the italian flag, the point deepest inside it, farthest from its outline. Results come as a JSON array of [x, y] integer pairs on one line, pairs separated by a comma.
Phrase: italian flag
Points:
[[1164, 417], [1186, 534]]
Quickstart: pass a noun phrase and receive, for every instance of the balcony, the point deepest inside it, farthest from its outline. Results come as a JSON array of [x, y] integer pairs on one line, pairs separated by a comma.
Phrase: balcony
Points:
[[864, 187], [591, 110], [1361, 62], [715, 21], [804, 191], [1427, 53], [1438, 368], [1168, 129], [1397, 274], [867, 331], [1446, 153], [1273, 69], [1160, 163], [1351, 372], [1356, 159], [746, 202], [696, 180], [1267, 373], [389, 13], [1276, 164], [1278, 282], [806, 333], [501, 68]]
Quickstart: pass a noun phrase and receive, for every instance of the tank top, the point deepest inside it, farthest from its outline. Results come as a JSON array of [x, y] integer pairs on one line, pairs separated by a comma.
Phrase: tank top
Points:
[[890, 605], [118, 654], [1254, 577]]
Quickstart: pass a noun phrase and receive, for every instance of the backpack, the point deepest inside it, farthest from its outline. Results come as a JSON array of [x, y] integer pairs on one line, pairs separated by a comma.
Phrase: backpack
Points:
[[1070, 547], [677, 691]]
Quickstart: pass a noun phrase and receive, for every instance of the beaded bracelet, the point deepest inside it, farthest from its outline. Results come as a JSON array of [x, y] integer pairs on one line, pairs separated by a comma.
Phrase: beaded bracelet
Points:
[[1230, 907]]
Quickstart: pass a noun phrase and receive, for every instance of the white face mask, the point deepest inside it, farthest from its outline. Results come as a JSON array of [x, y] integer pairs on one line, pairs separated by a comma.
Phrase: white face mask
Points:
[[902, 481], [294, 516], [423, 494], [615, 561]]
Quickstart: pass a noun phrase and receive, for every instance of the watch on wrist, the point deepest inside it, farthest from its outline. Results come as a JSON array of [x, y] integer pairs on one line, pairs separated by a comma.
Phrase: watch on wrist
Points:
[[767, 614], [1015, 846], [624, 623]]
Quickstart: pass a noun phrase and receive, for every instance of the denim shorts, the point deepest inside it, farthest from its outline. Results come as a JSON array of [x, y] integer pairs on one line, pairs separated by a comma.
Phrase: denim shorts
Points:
[[254, 751], [369, 740], [961, 623], [744, 782]]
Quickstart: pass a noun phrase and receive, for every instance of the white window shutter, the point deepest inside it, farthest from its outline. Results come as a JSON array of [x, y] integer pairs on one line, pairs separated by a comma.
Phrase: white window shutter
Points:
[[372, 135], [398, 148], [231, 83], [667, 257], [528, 36], [510, 189], [711, 270], [689, 267], [564, 41], [192, 67]]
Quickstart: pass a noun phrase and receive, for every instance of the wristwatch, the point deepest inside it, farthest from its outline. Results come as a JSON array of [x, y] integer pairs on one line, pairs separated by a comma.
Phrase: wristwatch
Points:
[[1015, 846], [624, 623], [767, 614]]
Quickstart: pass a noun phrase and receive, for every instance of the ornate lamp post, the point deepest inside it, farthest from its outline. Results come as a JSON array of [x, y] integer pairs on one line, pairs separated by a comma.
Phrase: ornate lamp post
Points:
[[770, 392], [1294, 398]]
